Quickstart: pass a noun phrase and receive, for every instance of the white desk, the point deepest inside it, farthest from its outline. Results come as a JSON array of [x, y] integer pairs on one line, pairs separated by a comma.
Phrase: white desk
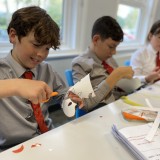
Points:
[[86, 138]]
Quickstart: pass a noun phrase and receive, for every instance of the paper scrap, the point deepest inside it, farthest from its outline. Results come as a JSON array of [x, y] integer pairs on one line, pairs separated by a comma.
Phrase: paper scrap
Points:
[[126, 100], [154, 128], [35, 145], [18, 150]]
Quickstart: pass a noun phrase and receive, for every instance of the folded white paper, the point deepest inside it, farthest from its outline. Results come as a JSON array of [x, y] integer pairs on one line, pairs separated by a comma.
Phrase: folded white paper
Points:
[[83, 89], [129, 85]]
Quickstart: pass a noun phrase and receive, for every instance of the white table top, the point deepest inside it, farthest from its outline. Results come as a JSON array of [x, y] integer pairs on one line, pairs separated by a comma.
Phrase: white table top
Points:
[[86, 138]]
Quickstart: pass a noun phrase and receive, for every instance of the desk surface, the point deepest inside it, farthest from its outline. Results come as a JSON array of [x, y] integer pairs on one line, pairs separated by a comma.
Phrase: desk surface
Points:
[[88, 137]]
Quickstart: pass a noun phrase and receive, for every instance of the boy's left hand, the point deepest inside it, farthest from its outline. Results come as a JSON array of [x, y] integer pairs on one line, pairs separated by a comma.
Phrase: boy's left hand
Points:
[[76, 99]]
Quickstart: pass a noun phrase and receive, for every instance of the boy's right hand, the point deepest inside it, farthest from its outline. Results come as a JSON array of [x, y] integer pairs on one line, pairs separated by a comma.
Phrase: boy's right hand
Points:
[[153, 76], [34, 91], [119, 73], [124, 72]]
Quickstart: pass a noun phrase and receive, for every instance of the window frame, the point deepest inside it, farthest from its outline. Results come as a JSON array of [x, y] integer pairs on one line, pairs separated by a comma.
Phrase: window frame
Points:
[[143, 24]]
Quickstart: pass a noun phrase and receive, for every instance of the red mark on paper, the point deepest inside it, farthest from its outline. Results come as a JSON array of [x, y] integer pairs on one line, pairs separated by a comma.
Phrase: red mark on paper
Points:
[[36, 145], [20, 149]]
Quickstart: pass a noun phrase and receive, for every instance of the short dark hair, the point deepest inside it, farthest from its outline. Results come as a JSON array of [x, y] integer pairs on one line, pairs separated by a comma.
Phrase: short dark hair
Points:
[[155, 29], [107, 27], [36, 19]]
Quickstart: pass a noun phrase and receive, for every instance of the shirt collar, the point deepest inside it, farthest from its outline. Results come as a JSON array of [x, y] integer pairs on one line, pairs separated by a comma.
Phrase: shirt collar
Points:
[[19, 70], [151, 49]]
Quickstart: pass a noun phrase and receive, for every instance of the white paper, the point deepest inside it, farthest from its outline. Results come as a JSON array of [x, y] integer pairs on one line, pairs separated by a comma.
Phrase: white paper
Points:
[[68, 107], [129, 85], [154, 128], [83, 89], [134, 138]]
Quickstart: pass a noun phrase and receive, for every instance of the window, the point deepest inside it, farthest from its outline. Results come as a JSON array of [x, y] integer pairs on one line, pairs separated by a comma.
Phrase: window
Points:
[[128, 21], [7, 7], [53, 7], [131, 15]]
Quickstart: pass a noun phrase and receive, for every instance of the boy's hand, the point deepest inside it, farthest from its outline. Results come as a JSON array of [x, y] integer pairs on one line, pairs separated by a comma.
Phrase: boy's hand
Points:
[[34, 91], [153, 76], [124, 72], [76, 99], [117, 74]]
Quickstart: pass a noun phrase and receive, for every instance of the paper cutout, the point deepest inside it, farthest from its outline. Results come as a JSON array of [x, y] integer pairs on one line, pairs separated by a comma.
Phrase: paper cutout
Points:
[[35, 145], [148, 103], [20, 149], [139, 114], [83, 89], [129, 85], [144, 113], [68, 107], [154, 128], [126, 100]]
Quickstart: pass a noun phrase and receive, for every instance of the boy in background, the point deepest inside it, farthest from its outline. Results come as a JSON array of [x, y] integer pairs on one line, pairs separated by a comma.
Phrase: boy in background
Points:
[[98, 62]]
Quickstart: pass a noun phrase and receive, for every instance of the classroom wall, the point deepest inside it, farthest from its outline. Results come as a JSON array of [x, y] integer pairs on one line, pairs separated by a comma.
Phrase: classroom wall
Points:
[[60, 64]]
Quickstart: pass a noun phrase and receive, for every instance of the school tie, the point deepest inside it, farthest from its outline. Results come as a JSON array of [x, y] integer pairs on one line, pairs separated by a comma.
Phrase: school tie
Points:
[[158, 60], [107, 67], [36, 108]]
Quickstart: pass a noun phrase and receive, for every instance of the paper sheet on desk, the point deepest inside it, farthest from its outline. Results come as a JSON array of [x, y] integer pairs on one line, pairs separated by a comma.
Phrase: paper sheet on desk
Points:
[[83, 89], [134, 138], [129, 85]]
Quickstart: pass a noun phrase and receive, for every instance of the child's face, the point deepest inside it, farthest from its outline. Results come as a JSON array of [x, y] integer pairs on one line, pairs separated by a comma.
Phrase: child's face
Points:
[[27, 52], [155, 41], [106, 48]]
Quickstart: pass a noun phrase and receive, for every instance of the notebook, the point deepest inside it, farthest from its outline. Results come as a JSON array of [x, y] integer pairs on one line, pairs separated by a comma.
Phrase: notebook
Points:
[[133, 137]]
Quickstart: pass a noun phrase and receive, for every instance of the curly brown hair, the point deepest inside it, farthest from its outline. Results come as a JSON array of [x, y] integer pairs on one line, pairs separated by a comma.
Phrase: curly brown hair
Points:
[[36, 19]]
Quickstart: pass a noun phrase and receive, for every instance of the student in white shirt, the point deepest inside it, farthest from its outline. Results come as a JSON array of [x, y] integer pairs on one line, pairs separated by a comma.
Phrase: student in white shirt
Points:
[[144, 60]]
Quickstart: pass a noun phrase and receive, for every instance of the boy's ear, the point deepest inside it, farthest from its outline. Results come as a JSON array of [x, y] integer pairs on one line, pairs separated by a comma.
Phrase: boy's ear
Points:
[[12, 35], [150, 36], [96, 38]]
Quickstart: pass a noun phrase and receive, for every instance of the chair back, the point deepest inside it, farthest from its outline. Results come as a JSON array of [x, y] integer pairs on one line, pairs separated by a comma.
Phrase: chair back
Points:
[[127, 62], [69, 78]]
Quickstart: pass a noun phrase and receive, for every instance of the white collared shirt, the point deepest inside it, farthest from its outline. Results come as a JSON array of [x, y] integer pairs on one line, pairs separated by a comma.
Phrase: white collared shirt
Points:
[[143, 62]]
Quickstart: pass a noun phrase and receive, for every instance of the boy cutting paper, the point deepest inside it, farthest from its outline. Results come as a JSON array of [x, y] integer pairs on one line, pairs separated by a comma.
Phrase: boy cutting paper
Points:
[[32, 33]]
